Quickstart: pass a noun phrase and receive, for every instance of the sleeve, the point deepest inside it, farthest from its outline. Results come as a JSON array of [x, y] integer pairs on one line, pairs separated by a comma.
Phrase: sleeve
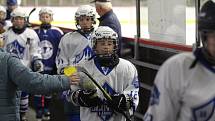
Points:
[[165, 101], [33, 82], [34, 49], [132, 89], [62, 59]]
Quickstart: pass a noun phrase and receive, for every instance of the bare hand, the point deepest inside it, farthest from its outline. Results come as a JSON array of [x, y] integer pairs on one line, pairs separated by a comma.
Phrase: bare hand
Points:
[[74, 79]]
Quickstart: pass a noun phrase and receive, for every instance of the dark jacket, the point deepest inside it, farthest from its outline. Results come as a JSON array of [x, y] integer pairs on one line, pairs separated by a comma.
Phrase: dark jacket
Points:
[[14, 75], [110, 19]]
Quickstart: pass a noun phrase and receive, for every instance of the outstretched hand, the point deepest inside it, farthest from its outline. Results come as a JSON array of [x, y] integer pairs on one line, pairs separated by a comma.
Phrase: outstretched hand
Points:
[[74, 79]]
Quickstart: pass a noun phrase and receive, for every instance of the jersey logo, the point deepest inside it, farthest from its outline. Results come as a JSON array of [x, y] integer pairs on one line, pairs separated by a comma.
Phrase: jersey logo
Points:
[[47, 49], [204, 112], [155, 96], [104, 112], [85, 54], [16, 48], [135, 82]]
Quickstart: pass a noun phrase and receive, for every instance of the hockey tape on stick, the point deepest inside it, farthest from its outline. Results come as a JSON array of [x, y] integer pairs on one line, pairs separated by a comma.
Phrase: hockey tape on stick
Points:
[[28, 18]]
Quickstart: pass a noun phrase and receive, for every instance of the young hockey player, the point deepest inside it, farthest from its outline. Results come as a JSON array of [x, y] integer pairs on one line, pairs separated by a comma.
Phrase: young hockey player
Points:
[[23, 42], [75, 48], [183, 89], [116, 75], [49, 40], [4, 25]]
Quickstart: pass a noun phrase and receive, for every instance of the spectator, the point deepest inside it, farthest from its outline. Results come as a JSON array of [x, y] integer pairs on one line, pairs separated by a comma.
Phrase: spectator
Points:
[[108, 18], [15, 76]]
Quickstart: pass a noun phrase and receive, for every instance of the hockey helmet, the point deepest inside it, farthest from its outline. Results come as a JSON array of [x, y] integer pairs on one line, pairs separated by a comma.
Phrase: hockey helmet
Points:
[[85, 10], [12, 2], [18, 12], [105, 33], [2, 8], [207, 17], [206, 20], [46, 10]]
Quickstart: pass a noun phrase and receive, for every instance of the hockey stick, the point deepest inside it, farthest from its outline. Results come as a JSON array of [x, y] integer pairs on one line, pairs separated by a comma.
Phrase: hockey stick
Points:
[[106, 95], [28, 18]]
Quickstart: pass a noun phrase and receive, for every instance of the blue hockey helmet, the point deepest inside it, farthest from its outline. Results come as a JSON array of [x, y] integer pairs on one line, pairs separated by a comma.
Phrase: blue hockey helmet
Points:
[[12, 2]]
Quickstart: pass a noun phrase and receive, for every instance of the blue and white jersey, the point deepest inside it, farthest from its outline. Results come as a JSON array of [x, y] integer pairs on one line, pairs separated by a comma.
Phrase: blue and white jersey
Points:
[[49, 41], [74, 48], [122, 79], [182, 93], [24, 45]]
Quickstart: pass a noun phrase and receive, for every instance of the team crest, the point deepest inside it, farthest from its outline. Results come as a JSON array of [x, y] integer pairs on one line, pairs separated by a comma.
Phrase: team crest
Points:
[[155, 96], [86, 54], [16, 48], [135, 82], [204, 112], [47, 49], [104, 112]]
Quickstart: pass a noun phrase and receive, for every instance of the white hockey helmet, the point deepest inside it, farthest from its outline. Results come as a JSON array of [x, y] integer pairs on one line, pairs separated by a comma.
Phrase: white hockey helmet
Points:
[[103, 33], [85, 10], [2, 8], [18, 12], [46, 10]]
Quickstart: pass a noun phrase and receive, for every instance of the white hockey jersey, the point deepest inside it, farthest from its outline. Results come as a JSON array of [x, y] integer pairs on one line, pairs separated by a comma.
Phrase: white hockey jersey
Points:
[[74, 48], [182, 93], [24, 45], [122, 79]]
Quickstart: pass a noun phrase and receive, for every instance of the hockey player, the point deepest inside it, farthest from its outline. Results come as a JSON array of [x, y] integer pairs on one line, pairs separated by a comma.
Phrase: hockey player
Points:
[[116, 75], [4, 25], [23, 42], [183, 89], [11, 5], [49, 40], [75, 48]]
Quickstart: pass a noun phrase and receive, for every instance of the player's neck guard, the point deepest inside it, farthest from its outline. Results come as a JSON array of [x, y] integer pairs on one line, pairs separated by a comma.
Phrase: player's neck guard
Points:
[[208, 57], [18, 30], [200, 57], [45, 26], [107, 61]]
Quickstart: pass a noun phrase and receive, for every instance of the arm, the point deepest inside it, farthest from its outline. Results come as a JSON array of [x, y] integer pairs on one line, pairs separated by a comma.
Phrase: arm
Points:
[[129, 98], [32, 82], [35, 50], [62, 59], [164, 103], [132, 89]]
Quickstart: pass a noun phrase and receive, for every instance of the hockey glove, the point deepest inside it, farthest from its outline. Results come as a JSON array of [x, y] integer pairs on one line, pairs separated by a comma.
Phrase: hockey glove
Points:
[[86, 98], [37, 65], [118, 103]]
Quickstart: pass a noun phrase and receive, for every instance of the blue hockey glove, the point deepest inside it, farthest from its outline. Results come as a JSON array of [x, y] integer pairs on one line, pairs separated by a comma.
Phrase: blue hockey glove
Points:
[[87, 98]]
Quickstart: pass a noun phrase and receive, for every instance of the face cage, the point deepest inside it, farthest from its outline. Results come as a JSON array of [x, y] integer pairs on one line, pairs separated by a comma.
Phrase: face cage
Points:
[[94, 42], [77, 23], [203, 35]]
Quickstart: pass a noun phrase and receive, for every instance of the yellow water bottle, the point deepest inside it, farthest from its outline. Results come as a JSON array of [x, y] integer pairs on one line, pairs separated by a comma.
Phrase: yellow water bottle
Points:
[[68, 71]]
